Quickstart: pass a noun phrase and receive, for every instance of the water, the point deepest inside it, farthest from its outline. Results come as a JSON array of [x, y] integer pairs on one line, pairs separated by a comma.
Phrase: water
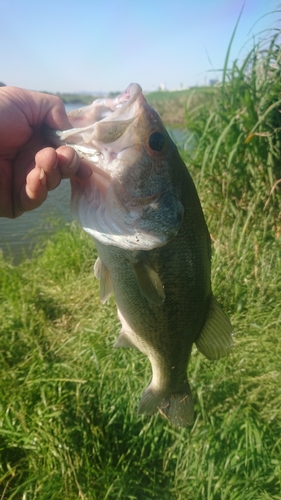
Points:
[[18, 237]]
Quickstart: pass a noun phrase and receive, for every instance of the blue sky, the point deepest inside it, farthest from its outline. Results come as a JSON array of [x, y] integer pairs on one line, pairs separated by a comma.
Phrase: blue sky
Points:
[[72, 46]]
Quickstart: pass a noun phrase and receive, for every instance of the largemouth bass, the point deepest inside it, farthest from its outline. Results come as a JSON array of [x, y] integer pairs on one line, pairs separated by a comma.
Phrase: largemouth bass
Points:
[[143, 211]]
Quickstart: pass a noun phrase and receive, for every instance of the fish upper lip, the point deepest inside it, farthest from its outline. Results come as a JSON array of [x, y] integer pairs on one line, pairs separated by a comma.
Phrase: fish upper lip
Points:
[[123, 101]]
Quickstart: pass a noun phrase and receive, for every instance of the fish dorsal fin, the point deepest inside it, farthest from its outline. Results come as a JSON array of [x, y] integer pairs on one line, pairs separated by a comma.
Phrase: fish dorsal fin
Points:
[[103, 274], [215, 339], [124, 340], [149, 282]]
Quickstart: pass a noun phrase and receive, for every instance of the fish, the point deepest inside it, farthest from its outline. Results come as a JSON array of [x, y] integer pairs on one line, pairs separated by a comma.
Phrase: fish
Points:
[[154, 251]]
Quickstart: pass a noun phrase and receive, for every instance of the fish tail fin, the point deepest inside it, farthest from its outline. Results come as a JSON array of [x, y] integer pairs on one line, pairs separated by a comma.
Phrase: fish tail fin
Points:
[[176, 407]]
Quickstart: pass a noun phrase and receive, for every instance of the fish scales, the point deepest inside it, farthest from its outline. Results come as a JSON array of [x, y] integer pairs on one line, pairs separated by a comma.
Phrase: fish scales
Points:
[[165, 332], [153, 245]]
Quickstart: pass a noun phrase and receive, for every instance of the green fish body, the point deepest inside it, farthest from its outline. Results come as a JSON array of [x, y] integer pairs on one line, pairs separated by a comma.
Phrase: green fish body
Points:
[[142, 208]]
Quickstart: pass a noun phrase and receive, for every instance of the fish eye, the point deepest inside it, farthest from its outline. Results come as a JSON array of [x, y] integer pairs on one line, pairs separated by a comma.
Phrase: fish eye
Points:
[[156, 141]]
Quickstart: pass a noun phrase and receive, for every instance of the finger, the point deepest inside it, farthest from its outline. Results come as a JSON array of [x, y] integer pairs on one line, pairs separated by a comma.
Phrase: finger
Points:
[[70, 164], [47, 160], [68, 161], [35, 191], [43, 177], [6, 182], [50, 167]]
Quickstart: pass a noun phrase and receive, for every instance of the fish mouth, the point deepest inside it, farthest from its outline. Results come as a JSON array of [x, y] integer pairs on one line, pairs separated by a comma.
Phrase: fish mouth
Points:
[[107, 109], [118, 205], [99, 129]]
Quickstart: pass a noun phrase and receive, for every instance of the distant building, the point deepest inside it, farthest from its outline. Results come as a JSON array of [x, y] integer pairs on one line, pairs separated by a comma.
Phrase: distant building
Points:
[[213, 82]]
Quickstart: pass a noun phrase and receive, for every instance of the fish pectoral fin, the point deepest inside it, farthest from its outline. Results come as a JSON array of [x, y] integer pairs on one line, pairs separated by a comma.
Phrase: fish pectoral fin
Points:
[[103, 274], [149, 282], [215, 339], [124, 340], [177, 407]]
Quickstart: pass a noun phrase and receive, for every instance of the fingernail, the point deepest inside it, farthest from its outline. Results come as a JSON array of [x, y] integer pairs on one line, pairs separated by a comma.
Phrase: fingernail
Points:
[[73, 162], [42, 177], [55, 164]]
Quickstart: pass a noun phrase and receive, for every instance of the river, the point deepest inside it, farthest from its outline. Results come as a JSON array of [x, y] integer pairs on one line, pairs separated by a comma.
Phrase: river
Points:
[[18, 237]]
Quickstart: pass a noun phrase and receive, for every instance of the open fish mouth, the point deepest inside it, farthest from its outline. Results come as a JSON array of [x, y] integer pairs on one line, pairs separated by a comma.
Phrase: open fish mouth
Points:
[[99, 132], [129, 201], [101, 123], [103, 108]]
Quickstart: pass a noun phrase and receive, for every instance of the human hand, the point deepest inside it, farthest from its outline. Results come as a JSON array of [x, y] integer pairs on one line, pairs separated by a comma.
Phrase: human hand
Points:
[[28, 167]]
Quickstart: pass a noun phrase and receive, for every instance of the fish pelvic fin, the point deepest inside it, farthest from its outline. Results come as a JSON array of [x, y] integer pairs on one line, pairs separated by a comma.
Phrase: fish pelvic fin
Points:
[[215, 339], [149, 282], [124, 341], [176, 407], [103, 274]]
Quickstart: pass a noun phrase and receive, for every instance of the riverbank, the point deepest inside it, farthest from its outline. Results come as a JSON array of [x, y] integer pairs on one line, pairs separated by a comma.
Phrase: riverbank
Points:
[[171, 105], [68, 400]]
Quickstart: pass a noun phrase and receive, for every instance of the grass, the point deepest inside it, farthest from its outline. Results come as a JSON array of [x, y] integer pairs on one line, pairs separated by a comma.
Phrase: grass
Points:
[[171, 104], [68, 423]]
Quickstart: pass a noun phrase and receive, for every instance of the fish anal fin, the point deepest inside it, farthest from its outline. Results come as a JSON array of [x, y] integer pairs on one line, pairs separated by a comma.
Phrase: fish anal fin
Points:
[[215, 339], [103, 274], [126, 335], [149, 282]]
